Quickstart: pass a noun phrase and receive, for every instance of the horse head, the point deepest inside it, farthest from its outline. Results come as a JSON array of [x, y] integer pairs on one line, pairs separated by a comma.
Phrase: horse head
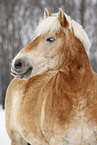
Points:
[[57, 39]]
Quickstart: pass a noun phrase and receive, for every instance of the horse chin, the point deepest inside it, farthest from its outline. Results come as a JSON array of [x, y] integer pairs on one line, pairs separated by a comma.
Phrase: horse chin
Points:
[[25, 76]]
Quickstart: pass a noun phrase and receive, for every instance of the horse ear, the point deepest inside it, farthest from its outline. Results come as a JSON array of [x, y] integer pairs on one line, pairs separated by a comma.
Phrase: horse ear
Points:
[[46, 13], [62, 18]]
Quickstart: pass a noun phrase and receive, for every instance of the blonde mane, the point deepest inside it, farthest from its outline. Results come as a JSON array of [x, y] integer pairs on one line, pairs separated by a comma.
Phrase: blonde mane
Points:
[[49, 24], [52, 25]]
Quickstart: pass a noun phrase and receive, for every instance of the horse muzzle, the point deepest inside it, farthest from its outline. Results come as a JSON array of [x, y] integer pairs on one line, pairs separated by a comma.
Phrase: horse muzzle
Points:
[[20, 69]]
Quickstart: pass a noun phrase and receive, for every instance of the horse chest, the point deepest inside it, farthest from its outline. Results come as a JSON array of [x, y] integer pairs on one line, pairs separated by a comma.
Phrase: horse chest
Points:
[[79, 131], [81, 135]]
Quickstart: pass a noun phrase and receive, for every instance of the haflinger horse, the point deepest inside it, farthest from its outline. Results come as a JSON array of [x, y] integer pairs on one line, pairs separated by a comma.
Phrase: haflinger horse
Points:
[[53, 98]]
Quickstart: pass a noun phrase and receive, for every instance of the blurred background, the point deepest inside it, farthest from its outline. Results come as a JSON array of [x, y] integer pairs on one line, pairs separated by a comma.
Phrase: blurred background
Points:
[[19, 18]]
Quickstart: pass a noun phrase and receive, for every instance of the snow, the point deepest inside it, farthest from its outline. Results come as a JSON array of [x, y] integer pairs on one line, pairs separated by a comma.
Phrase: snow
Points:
[[4, 139]]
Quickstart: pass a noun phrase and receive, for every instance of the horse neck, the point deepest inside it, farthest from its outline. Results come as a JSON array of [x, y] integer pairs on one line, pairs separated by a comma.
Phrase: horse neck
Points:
[[76, 68], [75, 73]]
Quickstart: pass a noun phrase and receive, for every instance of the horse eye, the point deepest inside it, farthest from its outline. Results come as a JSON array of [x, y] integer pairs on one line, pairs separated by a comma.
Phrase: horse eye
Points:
[[50, 39]]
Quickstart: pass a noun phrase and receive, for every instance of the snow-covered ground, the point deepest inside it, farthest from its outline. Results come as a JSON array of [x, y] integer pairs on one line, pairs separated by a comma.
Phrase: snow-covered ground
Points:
[[4, 139]]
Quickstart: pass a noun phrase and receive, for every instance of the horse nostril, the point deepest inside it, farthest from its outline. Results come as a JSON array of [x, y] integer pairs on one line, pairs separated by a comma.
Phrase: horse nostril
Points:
[[18, 64]]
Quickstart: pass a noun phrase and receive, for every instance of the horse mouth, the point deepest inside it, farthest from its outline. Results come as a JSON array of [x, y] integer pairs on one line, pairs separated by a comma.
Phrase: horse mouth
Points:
[[22, 75]]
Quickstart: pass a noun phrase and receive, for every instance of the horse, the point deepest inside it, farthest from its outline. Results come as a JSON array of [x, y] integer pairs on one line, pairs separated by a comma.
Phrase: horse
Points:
[[52, 99]]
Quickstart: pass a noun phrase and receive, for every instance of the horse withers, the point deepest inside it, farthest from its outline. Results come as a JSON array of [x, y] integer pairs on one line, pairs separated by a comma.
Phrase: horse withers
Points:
[[53, 98]]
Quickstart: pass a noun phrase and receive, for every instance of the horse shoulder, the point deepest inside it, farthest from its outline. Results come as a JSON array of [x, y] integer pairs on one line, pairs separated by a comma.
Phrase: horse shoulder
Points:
[[13, 91], [12, 96]]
